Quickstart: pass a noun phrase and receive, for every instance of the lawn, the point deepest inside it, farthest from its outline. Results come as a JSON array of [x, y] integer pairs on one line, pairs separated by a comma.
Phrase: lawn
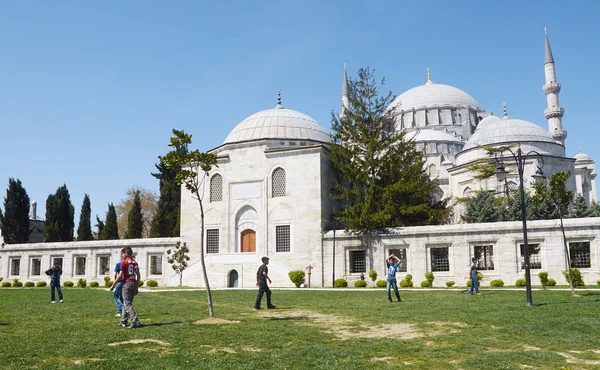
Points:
[[330, 329]]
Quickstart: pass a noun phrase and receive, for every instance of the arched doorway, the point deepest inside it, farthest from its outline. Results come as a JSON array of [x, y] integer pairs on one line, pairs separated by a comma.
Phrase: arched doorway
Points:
[[248, 241], [232, 281]]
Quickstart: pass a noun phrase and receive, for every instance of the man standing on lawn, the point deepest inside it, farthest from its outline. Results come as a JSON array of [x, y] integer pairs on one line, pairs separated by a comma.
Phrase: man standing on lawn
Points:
[[54, 272], [118, 290], [393, 263], [130, 273], [262, 275]]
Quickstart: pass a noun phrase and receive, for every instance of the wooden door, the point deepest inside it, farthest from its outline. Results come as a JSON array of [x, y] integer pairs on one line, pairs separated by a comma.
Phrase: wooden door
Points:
[[248, 241]]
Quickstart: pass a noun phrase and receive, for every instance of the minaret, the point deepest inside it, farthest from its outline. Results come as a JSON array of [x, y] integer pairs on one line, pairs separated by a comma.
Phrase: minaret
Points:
[[554, 113], [345, 99]]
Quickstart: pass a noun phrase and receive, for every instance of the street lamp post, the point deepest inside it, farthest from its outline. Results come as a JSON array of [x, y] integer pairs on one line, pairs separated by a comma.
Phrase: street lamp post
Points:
[[333, 255], [520, 159]]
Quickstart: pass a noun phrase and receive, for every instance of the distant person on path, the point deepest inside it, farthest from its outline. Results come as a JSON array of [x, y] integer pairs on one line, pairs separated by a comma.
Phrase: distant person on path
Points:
[[262, 275], [54, 272], [473, 272], [130, 273], [392, 264], [118, 290]]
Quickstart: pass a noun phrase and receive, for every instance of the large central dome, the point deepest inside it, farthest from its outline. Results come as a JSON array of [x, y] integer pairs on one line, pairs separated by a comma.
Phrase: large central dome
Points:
[[278, 123], [433, 95]]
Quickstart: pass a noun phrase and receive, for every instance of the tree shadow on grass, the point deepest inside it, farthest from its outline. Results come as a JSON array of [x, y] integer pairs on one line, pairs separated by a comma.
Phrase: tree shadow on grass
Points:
[[163, 323], [289, 318]]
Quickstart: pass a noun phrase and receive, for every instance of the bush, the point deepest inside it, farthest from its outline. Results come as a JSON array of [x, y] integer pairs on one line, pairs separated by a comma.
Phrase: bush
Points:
[[94, 284], [152, 283], [551, 282], [297, 277], [598, 282], [68, 284], [450, 284], [360, 284], [29, 284], [543, 278], [107, 282], [41, 284], [429, 277], [383, 283], [340, 283], [141, 283], [576, 275], [498, 283], [6, 284], [373, 275], [425, 284], [520, 282], [82, 283], [1, 278], [469, 283], [407, 281], [16, 283]]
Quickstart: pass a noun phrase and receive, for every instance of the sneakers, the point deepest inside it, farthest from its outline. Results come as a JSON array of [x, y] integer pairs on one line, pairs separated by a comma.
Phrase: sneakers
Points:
[[272, 307], [118, 315], [53, 302], [121, 325], [135, 325], [258, 308], [61, 301]]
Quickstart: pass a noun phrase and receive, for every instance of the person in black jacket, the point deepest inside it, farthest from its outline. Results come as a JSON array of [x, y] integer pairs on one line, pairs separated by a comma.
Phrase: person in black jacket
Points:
[[54, 272], [262, 275]]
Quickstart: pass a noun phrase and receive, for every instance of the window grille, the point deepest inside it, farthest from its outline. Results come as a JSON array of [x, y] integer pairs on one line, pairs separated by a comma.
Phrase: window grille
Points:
[[79, 265], [279, 183], [535, 260], [358, 261], [282, 238], [36, 266], [58, 260], [439, 259], [485, 257], [216, 188], [580, 255], [212, 241], [156, 265], [400, 253], [104, 265], [15, 266]]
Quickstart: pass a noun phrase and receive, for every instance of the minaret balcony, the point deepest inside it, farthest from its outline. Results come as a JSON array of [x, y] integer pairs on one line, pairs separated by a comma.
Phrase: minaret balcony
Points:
[[554, 112], [551, 87]]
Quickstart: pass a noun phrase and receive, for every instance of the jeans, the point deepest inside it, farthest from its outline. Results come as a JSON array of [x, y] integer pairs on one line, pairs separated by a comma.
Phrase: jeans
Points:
[[118, 297], [55, 285], [263, 288], [474, 284], [392, 283], [128, 312]]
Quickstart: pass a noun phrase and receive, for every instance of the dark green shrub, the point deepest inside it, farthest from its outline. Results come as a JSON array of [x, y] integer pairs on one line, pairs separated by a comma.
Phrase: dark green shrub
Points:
[[450, 284], [41, 284], [425, 284], [141, 283], [107, 282], [543, 278], [429, 277], [16, 283], [94, 284], [373, 275], [360, 284], [520, 282], [598, 282], [297, 277], [29, 284], [340, 283], [576, 275], [68, 284], [152, 283], [82, 283], [6, 284], [551, 282], [383, 284], [1, 278], [469, 283], [497, 283], [407, 281]]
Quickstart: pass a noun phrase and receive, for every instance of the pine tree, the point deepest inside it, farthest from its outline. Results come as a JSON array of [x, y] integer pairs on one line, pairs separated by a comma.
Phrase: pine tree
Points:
[[482, 207], [110, 231], [84, 230], [14, 222], [135, 225], [100, 226], [165, 222], [380, 179], [512, 211], [550, 200], [594, 210], [60, 217], [580, 208]]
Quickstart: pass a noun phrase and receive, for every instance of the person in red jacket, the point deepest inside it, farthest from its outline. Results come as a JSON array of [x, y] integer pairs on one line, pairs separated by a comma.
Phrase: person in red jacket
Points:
[[130, 273]]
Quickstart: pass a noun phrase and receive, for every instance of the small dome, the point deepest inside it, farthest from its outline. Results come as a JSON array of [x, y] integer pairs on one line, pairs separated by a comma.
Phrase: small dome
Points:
[[582, 157], [432, 135], [434, 95], [278, 123], [487, 120]]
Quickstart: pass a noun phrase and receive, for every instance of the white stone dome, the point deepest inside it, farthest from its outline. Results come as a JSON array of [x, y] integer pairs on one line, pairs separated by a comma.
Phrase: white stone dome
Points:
[[582, 157], [433, 95], [278, 123]]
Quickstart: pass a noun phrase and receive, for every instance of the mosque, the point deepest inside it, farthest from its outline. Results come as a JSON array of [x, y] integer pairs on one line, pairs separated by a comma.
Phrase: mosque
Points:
[[269, 196]]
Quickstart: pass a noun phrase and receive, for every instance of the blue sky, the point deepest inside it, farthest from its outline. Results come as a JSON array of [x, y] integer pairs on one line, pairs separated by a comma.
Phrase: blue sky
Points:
[[90, 90]]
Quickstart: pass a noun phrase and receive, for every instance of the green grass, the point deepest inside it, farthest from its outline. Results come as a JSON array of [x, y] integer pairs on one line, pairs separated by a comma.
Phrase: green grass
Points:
[[428, 330]]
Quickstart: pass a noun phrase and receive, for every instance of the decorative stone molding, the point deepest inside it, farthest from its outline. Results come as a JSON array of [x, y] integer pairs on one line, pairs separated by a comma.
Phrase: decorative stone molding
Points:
[[551, 87]]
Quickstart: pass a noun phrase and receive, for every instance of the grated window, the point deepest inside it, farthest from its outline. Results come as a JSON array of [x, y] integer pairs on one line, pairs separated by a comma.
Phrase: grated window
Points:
[[400, 253], [212, 241], [15, 266], [79, 265], [36, 266], [156, 265], [439, 259], [278, 183], [358, 261], [535, 260], [282, 238], [485, 257], [103, 265], [580, 255], [216, 188]]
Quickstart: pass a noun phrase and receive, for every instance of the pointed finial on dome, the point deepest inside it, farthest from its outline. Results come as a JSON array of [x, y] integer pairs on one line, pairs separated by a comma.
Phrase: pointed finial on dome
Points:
[[278, 106], [580, 149], [504, 109], [428, 77]]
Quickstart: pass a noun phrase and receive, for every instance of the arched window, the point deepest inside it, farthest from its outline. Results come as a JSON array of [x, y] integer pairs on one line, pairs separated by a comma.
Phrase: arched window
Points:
[[278, 186], [467, 192], [216, 188], [432, 171]]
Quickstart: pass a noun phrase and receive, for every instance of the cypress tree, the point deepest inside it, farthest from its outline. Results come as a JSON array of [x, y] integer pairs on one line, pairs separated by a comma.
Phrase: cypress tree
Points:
[[165, 222], [84, 230], [100, 226], [14, 222], [50, 224], [135, 225], [110, 230]]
